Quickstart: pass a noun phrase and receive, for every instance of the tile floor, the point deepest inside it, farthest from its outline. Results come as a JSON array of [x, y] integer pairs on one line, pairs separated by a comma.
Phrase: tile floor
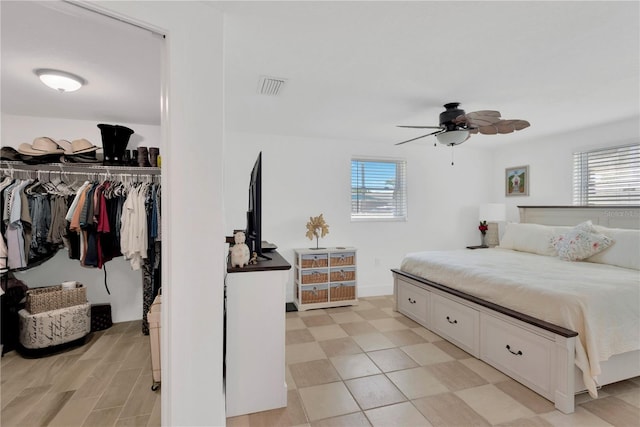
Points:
[[347, 366], [106, 382], [368, 365]]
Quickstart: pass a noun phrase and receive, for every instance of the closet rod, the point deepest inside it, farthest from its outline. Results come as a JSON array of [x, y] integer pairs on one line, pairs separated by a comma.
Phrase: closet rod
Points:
[[96, 175], [89, 169]]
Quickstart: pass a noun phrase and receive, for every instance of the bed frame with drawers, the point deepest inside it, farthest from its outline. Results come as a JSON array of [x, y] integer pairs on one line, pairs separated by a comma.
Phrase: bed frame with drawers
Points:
[[536, 353]]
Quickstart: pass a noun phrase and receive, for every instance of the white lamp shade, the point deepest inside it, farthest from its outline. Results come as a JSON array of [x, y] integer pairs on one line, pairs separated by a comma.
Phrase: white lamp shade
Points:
[[453, 137], [60, 80], [492, 212]]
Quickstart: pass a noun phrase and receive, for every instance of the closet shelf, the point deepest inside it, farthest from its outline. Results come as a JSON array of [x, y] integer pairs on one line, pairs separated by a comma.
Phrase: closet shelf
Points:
[[84, 168]]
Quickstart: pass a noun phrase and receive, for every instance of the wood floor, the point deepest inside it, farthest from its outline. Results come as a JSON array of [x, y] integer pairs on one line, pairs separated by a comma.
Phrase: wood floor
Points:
[[106, 382]]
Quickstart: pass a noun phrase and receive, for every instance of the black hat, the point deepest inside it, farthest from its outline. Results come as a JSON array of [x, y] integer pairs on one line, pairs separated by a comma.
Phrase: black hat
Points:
[[9, 153], [90, 157]]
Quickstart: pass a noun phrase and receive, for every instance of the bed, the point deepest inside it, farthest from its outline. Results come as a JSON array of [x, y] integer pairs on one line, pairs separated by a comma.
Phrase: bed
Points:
[[559, 327]]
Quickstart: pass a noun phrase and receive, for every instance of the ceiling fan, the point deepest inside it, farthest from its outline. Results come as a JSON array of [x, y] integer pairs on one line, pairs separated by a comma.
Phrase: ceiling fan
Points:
[[456, 126]]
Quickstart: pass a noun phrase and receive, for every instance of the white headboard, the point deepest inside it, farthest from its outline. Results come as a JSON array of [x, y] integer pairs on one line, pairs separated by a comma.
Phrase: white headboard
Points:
[[606, 216]]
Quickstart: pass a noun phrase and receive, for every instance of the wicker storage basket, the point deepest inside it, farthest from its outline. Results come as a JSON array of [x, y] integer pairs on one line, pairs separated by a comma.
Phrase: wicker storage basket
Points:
[[343, 274], [315, 276], [345, 258], [54, 297], [314, 294], [342, 292], [313, 261]]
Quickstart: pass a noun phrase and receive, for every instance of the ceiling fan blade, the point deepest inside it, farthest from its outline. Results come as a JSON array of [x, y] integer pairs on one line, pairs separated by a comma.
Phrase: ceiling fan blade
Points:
[[419, 127], [506, 126], [461, 119], [484, 113], [483, 121], [423, 136], [488, 130]]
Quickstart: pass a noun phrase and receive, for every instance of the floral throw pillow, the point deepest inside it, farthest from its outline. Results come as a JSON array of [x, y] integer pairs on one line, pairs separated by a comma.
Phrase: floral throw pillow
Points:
[[580, 242]]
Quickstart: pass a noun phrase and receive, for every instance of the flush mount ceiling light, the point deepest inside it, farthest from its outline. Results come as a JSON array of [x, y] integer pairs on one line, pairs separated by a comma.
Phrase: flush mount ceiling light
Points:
[[60, 80]]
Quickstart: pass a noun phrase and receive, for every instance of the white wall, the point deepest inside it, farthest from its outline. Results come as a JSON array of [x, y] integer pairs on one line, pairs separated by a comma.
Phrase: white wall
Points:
[[550, 163], [124, 283], [18, 129], [192, 225], [303, 177]]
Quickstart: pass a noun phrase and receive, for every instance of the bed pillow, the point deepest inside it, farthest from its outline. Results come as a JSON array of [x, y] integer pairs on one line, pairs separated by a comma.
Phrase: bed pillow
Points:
[[625, 250], [580, 243], [533, 238]]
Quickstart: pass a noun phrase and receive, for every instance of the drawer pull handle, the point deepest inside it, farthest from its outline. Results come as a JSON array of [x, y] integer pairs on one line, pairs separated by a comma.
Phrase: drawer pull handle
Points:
[[453, 322], [519, 353], [412, 301]]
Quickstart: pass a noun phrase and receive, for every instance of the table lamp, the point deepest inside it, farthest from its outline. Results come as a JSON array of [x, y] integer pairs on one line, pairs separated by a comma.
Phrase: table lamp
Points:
[[492, 213]]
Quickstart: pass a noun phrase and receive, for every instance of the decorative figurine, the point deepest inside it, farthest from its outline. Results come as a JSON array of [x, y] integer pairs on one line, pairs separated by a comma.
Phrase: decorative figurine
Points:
[[239, 251], [316, 227]]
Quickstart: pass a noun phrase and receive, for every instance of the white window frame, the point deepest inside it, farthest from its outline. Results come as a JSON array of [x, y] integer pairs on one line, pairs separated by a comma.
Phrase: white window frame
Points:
[[607, 176], [400, 214]]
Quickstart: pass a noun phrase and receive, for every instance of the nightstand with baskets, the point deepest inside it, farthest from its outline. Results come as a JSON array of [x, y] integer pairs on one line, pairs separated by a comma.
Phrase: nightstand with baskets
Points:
[[325, 278]]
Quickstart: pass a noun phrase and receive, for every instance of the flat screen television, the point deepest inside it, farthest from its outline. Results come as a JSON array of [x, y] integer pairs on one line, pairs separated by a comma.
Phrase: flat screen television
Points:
[[254, 213]]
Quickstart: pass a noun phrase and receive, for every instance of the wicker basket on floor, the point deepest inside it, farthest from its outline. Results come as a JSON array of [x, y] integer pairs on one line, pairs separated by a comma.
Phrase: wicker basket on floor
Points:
[[54, 297]]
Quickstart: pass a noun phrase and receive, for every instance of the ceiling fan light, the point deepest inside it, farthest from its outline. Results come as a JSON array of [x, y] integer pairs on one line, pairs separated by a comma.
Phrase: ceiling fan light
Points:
[[60, 80], [453, 137]]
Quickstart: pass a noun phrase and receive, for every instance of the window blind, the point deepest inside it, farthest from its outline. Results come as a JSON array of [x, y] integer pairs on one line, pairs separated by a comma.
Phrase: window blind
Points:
[[608, 176], [378, 189]]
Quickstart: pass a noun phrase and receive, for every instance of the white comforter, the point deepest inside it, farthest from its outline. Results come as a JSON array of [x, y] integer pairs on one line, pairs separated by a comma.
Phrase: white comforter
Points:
[[600, 302]]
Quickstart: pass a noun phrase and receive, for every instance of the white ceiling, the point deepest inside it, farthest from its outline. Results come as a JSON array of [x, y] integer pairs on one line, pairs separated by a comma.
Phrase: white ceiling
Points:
[[120, 62], [355, 70]]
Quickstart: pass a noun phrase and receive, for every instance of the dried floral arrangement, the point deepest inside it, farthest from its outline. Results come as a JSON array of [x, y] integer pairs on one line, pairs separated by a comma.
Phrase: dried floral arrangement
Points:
[[316, 227]]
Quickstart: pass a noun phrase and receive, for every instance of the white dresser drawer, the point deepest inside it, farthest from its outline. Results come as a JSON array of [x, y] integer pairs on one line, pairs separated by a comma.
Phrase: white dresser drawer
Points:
[[522, 354], [456, 322], [413, 302]]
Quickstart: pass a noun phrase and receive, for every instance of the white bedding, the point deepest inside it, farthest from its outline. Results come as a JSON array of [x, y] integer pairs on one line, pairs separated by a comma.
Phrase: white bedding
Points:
[[600, 302]]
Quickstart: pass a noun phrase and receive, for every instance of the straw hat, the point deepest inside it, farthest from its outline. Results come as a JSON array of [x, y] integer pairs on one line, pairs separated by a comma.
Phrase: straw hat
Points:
[[65, 145], [79, 146], [41, 146]]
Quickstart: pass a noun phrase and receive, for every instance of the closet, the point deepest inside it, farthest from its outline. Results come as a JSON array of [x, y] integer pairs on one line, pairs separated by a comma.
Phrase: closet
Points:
[[121, 65], [121, 207]]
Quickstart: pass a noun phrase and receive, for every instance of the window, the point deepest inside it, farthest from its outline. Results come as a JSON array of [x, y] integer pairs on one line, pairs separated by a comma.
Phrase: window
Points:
[[609, 176], [378, 189]]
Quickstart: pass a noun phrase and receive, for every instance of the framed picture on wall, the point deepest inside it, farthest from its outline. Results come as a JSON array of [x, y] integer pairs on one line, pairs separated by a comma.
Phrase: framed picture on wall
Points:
[[517, 181]]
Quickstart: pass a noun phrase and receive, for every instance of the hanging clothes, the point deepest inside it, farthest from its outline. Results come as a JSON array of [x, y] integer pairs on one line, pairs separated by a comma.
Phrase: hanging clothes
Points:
[[134, 229], [95, 221], [151, 268], [18, 223]]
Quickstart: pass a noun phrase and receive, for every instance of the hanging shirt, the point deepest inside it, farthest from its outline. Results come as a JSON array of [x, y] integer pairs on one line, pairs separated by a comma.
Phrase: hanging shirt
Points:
[[57, 229], [134, 239], [17, 256], [74, 204]]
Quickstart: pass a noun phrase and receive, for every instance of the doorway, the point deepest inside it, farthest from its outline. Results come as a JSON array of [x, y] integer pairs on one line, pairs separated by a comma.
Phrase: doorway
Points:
[[121, 65]]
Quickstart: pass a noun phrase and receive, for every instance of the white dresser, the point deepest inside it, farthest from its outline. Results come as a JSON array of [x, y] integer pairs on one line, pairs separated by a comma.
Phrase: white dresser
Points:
[[255, 336]]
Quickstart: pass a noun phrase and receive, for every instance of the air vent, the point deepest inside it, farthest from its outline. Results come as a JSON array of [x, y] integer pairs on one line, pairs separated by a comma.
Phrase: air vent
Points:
[[271, 86]]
